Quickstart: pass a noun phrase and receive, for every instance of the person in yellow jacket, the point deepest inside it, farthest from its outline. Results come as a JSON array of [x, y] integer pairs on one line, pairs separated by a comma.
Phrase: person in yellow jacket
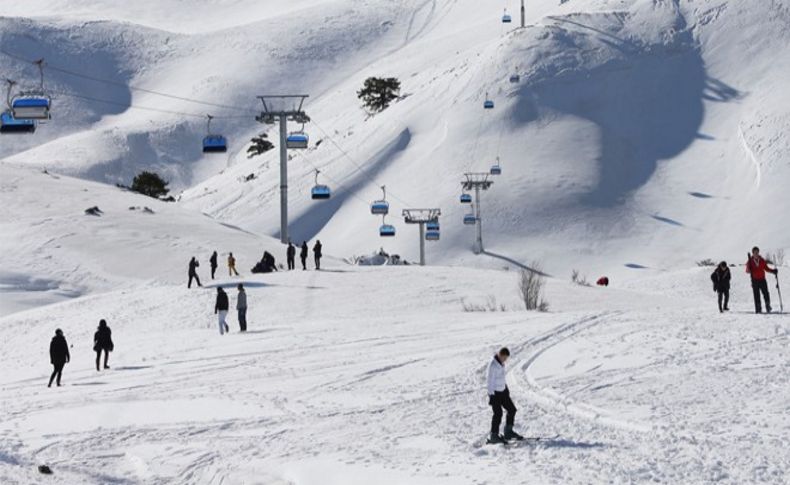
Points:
[[232, 265]]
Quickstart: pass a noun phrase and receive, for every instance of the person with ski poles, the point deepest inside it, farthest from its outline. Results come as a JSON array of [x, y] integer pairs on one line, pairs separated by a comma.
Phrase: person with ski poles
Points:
[[499, 397], [756, 266], [721, 285]]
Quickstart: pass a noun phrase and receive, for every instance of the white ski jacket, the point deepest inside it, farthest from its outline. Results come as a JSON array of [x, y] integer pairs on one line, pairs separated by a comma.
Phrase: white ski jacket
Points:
[[496, 377]]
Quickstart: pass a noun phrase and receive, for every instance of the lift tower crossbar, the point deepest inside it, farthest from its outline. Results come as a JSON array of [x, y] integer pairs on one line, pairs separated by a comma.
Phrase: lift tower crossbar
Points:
[[283, 108], [421, 217], [477, 182]]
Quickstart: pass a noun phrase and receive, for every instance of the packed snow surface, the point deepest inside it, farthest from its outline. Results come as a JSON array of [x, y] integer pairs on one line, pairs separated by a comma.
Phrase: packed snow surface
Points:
[[642, 136]]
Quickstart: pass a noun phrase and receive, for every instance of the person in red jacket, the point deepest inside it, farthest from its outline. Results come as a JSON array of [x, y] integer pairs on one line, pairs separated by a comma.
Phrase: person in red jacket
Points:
[[756, 266]]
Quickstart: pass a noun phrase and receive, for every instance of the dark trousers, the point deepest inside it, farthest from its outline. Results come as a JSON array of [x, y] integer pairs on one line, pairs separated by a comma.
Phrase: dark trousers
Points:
[[304, 262], [498, 401], [291, 263], [243, 319], [57, 372], [189, 285], [761, 286], [98, 358], [213, 270], [318, 262], [724, 295]]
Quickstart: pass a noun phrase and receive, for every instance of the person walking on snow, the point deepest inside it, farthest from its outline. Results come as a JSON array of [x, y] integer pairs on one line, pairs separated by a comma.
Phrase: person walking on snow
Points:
[[102, 341], [317, 254], [221, 309], [756, 266], [232, 265], [213, 262], [303, 255], [58, 355], [193, 265], [241, 307], [499, 397], [721, 285], [291, 255]]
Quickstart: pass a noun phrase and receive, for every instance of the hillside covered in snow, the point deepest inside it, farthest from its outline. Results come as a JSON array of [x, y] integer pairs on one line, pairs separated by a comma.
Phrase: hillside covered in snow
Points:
[[650, 133], [636, 138]]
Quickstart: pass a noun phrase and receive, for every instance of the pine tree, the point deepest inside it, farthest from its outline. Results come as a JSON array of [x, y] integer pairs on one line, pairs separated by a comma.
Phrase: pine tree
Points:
[[260, 145], [378, 93], [150, 184]]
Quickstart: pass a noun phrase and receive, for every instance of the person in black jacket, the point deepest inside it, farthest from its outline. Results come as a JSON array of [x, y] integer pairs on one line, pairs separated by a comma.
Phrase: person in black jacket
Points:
[[213, 262], [291, 255], [102, 341], [303, 255], [58, 355], [721, 285], [221, 309], [193, 264], [317, 254]]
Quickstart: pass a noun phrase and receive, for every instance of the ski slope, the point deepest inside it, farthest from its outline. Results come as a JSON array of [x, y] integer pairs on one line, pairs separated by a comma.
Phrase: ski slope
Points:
[[359, 374], [637, 131], [643, 136]]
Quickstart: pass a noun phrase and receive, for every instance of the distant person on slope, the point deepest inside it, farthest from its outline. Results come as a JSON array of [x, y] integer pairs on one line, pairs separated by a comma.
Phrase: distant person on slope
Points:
[[603, 281], [213, 261], [241, 307], [221, 309], [499, 397], [317, 253], [303, 255], [291, 255], [193, 264], [58, 355], [721, 285], [756, 266], [102, 341], [232, 265]]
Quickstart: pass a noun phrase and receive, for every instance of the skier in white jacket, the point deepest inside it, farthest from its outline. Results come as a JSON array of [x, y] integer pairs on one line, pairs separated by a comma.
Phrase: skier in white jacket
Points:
[[499, 397]]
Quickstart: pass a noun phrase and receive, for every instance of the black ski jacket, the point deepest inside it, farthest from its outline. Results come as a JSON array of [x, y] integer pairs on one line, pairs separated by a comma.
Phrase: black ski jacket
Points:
[[721, 279], [59, 350], [222, 302]]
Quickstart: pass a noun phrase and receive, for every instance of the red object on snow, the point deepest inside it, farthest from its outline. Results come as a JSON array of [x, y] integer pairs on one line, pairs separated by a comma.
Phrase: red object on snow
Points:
[[757, 268], [602, 281]]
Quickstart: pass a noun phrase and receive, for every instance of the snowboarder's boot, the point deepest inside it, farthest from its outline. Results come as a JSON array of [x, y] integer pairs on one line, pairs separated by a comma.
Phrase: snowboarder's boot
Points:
[[512, 435], [496, 439]]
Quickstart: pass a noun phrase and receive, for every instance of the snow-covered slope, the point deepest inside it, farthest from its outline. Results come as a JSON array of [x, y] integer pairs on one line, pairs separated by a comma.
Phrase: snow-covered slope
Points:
[[53, 250], [376, 375], [638, 133]]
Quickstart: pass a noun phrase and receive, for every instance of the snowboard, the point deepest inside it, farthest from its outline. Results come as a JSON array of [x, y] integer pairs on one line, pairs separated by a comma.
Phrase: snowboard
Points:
[[527, 440]]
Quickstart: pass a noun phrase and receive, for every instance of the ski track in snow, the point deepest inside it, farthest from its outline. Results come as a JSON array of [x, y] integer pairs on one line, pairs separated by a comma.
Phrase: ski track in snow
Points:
[[621, 390]]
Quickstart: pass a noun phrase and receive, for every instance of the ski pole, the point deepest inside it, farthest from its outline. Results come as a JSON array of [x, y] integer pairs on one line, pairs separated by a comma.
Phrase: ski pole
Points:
[[779, 290]]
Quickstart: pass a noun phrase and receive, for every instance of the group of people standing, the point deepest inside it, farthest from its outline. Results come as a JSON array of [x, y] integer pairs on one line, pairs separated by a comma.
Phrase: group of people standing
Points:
[[267, 262], [222, 305], [304, 251], [756, 267], [59, 354]]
